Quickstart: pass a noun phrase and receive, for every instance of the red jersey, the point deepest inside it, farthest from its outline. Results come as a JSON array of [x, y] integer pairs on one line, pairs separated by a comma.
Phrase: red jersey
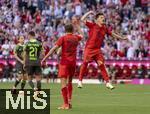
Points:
[[96, 36], [69, 44]]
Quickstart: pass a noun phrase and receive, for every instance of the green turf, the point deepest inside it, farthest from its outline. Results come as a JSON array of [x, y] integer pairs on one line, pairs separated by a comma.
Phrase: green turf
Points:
[[96, 99]]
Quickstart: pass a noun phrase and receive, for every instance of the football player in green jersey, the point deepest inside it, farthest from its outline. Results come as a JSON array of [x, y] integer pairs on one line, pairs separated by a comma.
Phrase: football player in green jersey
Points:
[[18, 54], [32, 60]]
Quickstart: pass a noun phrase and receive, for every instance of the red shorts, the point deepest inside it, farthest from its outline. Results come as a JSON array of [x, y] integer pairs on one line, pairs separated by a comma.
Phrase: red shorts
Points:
[[66, 71], [93, 55]]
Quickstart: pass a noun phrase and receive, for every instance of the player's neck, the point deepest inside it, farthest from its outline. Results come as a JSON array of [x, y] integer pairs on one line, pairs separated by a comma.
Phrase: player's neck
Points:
[[99, 24], [20, 43], [32, 39], [68, 33]]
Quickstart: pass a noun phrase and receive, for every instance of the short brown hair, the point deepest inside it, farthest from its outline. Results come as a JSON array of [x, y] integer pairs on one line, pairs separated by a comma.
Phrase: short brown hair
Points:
[[21, 37], [32, 33], [98, 14], [69, 28]]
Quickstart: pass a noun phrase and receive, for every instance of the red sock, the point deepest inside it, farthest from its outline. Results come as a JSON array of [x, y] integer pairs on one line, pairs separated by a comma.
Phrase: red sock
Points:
[[70, 91], [65, 94], [104, 72], [82, 71]]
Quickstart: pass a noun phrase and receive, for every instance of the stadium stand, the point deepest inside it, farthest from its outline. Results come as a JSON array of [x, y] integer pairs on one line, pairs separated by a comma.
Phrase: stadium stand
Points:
[[125, 60]]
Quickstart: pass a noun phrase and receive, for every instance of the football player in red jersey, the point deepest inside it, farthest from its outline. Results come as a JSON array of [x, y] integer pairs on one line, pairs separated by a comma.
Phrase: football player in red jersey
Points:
[[67, 65], [92, 52]]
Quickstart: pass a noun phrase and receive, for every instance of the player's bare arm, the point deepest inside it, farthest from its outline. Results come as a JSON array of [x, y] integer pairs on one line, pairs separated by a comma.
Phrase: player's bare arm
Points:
[[77, 26], [59, 51], [84, 17], [50, 52], [115, 35]]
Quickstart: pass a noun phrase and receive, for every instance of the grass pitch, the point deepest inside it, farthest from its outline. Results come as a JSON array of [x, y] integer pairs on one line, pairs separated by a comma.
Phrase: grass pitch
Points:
[[96, 99]]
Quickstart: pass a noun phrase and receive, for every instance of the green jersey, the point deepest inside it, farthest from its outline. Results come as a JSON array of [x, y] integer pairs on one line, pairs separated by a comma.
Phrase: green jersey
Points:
[[19, 51], [33, 49]]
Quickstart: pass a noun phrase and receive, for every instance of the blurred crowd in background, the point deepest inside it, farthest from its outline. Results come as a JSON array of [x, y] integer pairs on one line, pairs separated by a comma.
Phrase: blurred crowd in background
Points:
[[47, 19], [50, 72]]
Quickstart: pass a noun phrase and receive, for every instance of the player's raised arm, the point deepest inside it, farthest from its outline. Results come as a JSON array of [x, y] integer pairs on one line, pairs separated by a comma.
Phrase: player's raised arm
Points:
[[50, 52], [80, 31], [84, 17], [77, 26], [115, 35]]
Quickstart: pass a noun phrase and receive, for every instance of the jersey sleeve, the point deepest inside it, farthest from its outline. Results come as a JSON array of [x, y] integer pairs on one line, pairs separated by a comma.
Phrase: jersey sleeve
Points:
[[40, 46], [16, 49], [89, 24], [42, 49], [25, 47], [108, 31], [79, 37], [59, 42]]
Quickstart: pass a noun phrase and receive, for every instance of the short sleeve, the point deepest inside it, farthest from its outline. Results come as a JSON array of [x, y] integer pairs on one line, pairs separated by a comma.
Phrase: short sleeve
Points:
[[59, 42], [89, 24], [79, 37], [16, 49], [108, 31], [25, 47], [41, 46]]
